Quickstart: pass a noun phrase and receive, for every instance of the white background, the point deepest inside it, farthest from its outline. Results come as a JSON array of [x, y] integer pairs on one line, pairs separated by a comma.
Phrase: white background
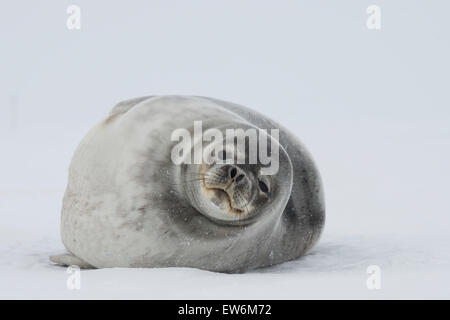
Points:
[[373, 108]]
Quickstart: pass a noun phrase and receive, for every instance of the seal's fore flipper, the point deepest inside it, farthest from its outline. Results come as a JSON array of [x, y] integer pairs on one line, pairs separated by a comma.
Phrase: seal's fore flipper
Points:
[[69, 259]]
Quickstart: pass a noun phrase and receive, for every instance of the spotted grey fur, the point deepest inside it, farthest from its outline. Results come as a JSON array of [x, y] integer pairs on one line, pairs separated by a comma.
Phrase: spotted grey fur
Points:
[[126, 203]]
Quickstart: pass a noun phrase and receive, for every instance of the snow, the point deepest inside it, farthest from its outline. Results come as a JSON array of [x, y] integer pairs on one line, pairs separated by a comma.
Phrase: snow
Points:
[[335, 269], [371, 106]]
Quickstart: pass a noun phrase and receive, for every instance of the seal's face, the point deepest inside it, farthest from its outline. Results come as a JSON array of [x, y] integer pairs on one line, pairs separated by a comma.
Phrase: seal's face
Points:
[[230, 189]]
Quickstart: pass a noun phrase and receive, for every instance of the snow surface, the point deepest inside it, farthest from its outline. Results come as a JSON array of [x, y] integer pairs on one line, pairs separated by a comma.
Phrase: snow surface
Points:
[[371, 106], [335, 269]]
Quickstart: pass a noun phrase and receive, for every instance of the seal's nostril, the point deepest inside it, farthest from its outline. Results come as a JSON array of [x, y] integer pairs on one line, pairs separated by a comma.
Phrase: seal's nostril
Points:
[[233, 173], [239, 178]]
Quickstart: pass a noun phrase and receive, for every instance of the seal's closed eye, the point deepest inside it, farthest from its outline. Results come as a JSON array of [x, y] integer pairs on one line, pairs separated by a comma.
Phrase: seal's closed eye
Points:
[[264, 188]]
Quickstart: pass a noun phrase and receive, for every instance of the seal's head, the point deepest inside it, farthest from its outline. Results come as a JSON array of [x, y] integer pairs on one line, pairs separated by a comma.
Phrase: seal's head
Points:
[[242, 178]]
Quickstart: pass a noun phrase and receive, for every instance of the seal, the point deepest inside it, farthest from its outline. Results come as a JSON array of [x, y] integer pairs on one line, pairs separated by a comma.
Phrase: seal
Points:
[[135, 198]]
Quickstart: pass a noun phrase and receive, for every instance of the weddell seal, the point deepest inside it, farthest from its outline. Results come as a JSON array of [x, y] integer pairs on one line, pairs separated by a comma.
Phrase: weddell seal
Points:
[[180, 181]]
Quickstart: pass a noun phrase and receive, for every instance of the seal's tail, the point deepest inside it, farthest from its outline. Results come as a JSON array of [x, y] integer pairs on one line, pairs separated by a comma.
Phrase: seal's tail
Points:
[[69, 259]]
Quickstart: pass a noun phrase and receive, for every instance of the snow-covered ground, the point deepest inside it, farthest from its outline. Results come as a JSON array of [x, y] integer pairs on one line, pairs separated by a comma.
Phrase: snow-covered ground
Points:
[[335, 269], [371, 106]]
